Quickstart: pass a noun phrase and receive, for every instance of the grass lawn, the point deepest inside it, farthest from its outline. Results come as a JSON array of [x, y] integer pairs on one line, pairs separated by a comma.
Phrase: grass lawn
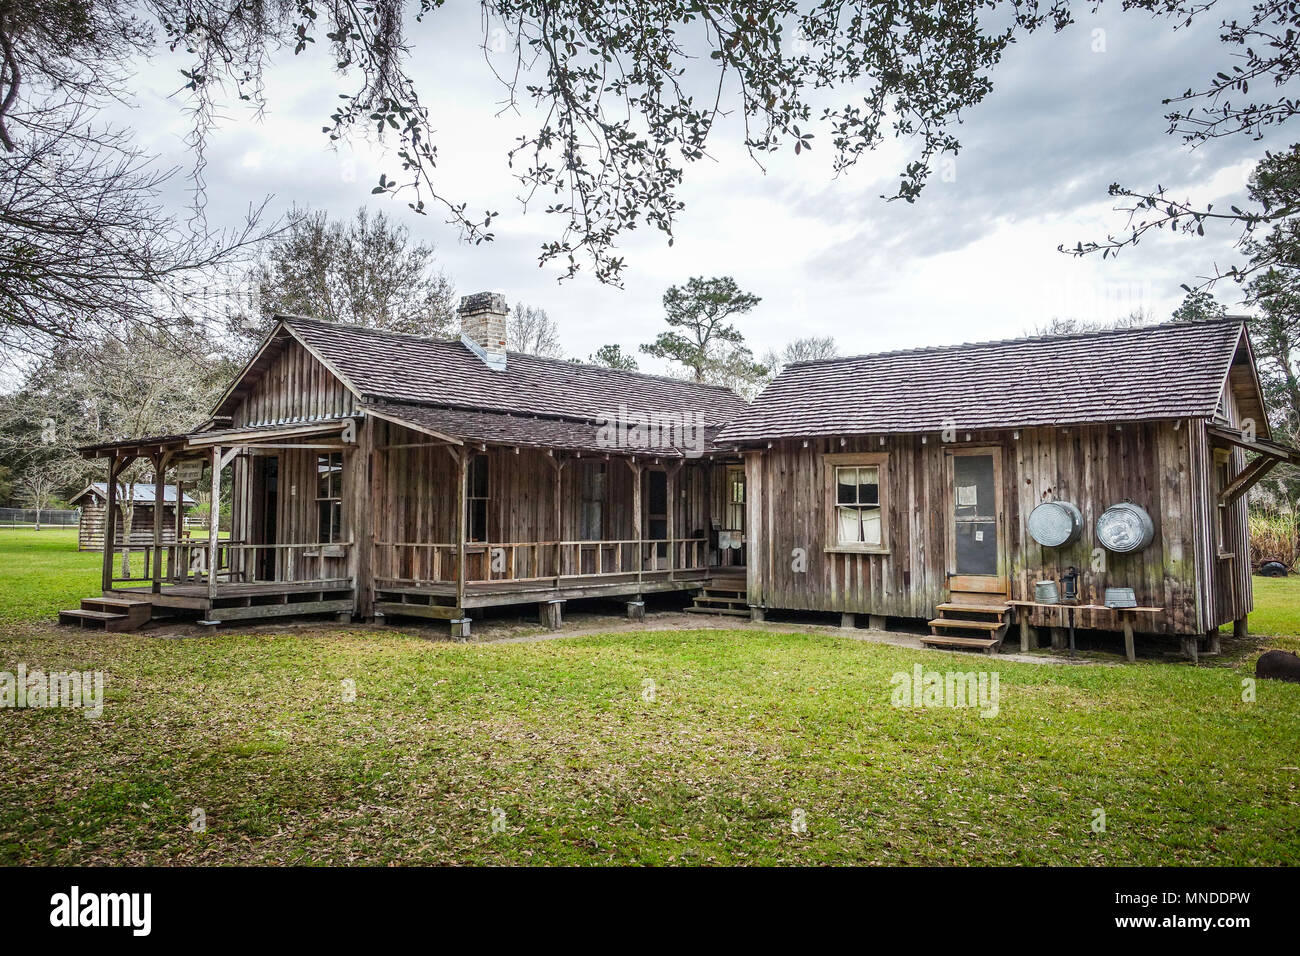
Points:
[[42, 572], [563, 744]]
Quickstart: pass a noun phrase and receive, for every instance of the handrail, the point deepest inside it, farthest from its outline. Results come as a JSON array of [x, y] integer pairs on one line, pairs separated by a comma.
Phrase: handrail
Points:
[[435, 562]]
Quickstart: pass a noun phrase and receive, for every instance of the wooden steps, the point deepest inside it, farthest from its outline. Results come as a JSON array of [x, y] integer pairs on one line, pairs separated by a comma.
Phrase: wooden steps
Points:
[[722, 594], [109, 614], [970, 620]]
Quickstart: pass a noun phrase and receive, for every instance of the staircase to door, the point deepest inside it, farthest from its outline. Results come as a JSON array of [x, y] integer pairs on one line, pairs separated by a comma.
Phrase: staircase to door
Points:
[[971, 620], [975, 616], [725, 592]]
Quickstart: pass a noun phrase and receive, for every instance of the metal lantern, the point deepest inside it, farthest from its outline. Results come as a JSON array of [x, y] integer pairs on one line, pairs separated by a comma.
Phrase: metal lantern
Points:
[[1055, 524], [1125, 528], [1070, 585]]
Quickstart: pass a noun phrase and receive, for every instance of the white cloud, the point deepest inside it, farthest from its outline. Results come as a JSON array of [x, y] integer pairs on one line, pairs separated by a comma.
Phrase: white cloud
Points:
[[975, 258]]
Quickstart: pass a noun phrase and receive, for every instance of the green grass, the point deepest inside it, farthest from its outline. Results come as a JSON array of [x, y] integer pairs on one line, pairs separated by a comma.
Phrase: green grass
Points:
[[744, 729], [1277, 610], [42, 572]]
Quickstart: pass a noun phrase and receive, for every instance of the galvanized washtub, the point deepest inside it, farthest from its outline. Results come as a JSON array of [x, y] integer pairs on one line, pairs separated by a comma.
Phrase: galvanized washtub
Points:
[[1055, 524], [1125, 528]]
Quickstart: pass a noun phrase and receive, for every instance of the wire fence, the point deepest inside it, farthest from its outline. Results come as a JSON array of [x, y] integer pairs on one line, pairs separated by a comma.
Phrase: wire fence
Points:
[[31, 518]]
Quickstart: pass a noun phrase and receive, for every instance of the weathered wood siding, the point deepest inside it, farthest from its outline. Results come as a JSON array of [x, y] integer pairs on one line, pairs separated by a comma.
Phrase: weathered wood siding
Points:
[[413, 496], [1158, 465], [293, 387], [90, 530]]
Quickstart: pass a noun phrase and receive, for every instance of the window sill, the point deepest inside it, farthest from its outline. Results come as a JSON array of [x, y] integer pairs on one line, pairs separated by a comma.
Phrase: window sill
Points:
[[849, 549]]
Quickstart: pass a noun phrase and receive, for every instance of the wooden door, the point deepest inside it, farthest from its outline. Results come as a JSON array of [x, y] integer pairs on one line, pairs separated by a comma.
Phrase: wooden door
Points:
[[266, 515], [734, 523], [655, 523], [977, 558]]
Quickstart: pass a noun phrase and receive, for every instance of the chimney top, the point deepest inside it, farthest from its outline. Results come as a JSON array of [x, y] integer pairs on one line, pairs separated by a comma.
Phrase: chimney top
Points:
[[483, 302], [483, 327]]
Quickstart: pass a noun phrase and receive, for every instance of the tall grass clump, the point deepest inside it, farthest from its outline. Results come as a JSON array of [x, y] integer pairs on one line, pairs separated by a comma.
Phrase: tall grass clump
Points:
[[1275, 536]]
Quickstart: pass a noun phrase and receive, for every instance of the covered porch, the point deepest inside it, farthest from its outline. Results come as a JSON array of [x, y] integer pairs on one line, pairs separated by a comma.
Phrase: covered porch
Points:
[[246, 573], [463, 523]]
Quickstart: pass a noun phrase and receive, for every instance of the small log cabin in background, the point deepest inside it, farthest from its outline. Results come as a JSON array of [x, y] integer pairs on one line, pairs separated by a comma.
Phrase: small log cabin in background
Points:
[[92, 499], [376, 474], [900, 484]]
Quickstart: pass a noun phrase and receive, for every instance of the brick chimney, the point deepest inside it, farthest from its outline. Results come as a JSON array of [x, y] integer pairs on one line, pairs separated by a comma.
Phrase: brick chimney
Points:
[[483, 326]]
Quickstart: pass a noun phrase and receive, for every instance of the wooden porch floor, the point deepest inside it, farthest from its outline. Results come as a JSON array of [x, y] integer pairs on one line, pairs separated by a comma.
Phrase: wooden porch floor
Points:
[[240, 600]]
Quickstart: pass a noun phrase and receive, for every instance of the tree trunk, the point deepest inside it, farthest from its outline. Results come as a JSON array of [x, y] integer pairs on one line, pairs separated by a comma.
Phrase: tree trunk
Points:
[[128, 519]]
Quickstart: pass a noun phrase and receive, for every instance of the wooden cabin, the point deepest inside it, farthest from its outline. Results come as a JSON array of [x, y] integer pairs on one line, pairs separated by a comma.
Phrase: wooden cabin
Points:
[[378, 474], [900, 485], [92, 501], [374, 474]]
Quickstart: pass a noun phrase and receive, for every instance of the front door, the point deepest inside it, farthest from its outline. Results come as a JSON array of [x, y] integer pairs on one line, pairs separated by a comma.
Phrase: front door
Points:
[[267, 477], [731, 540], [976, 541]]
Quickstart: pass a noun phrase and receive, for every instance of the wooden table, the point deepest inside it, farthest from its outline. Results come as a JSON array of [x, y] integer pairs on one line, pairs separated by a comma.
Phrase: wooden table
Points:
[[1125, 615]]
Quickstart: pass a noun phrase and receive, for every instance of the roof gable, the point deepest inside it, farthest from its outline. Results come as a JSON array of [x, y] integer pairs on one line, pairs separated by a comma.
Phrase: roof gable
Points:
[[1153, 372]]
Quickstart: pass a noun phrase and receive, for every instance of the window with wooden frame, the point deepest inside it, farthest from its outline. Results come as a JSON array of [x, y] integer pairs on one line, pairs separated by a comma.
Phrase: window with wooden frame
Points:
[[1223, 478], [591, 514], [329, 497], [857, 502], [476, 500]]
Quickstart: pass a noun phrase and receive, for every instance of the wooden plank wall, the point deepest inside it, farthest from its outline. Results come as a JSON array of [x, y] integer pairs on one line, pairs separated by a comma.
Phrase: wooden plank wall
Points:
[[414, 495], [1094, 467], [294, 387], [1227, 591], [90, 531]]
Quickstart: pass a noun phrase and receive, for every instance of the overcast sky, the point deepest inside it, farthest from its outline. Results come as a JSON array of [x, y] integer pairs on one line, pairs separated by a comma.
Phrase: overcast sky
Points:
[[975, 258]]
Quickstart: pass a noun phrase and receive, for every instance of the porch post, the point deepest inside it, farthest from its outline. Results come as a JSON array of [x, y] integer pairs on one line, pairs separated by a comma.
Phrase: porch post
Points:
[[557, 464], [636, 519], [361, 502], [110, 522], [214, 522], [180, 559], [673, 472], [159, 505], [462, 496]]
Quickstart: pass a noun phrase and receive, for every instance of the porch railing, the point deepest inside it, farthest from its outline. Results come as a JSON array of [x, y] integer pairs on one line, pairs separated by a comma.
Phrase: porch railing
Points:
[[187, 562], [420, 562]]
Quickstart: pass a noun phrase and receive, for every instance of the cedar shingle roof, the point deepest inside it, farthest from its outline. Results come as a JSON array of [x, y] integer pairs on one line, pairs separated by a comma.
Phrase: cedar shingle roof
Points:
[[1156, 372], [527, 431], [395, 367]]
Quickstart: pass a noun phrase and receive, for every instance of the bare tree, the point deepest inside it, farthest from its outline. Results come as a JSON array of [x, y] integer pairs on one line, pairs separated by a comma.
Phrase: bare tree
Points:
[[1065, 325], [36, 487], [367, 271], [800, 350], [531, 330], [85, 241], [139, 383]]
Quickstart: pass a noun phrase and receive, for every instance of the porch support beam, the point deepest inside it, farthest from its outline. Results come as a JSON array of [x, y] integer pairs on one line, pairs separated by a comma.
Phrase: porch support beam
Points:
[[671, 481], [1246, 480], [110, 520], [461, 457], [159, 506], [636, 518], [214, 521]]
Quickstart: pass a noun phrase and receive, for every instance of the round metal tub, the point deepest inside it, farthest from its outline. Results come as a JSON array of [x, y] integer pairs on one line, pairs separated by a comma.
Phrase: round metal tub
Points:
[[1125, 528], [1055, 524]]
